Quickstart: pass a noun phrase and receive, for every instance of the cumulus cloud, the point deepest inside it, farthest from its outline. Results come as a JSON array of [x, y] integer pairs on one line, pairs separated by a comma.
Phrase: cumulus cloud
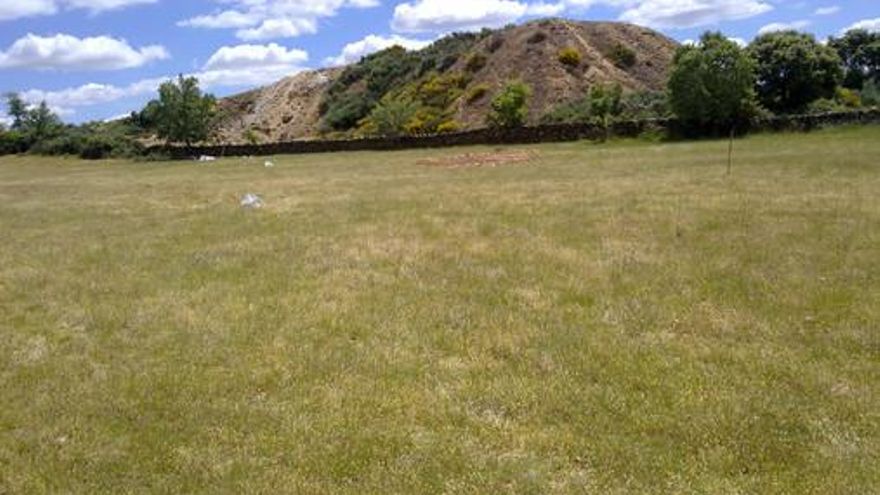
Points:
[[279, 28], [255, 56], [448, 15], [830, 10], [354, 51], [872, 25], [691, 13], [16, 9], [230, 66], [783, 26], [65, 52], [272, 19]]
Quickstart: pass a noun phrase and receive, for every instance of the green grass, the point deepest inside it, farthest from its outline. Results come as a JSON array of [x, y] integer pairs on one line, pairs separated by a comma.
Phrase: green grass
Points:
[[609, 319]]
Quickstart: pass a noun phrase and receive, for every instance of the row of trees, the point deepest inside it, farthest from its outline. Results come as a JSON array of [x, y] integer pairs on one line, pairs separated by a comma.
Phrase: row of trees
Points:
[[718, 83], [182, 113]]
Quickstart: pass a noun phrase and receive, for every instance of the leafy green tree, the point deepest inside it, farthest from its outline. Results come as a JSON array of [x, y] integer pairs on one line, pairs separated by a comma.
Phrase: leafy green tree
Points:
[[605, 105], [794, 70], [17, 109], [183, 114], [391, 116], [510, 107], [41, 123], [712, 83], [859, 50]]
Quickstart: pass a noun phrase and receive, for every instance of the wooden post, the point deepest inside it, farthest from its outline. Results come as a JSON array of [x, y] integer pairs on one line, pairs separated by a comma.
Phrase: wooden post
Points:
[[730, 150]]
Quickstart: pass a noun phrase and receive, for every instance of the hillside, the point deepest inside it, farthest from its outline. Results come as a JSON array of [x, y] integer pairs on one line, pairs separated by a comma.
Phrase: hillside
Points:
[[453, 80]]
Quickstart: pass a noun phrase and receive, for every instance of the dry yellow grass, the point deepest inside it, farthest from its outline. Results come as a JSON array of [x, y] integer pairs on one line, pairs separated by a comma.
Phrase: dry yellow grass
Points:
[[620, 318]]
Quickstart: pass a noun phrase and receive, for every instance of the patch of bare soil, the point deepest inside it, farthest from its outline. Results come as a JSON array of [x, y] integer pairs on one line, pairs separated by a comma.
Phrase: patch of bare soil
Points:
[[486, 159]]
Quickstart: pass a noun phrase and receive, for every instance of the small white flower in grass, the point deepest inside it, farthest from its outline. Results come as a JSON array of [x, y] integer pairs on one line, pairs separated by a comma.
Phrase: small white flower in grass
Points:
[[269, 164]]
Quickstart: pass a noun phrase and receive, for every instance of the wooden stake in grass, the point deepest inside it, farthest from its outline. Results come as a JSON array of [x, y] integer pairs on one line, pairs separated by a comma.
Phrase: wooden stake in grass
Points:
[[730, 151]]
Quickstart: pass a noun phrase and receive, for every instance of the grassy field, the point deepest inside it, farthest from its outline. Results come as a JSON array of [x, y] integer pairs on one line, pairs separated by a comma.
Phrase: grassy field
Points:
[[606, 319]]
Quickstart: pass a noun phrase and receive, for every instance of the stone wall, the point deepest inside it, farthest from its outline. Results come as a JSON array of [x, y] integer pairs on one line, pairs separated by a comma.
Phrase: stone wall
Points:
[[521, 135]]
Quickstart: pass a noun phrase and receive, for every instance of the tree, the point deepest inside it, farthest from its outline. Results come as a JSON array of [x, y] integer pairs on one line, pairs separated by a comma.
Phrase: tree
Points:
[[859, 50], [794, 70], [510, 106], [712, 83], [390, 117], [605, 105], [183, 114], [41, 123], [17, 109]]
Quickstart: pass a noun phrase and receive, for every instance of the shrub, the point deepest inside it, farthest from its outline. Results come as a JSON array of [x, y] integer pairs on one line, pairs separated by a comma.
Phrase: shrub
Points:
[[537, 37], [646, 105], [390, 117], [848, 98], [476, 62], [347, 111], [870, 94], [570, 57], [605, 105], [13, 142], [510, 106], [572, 112], [495, 44], [448, 127], [825, 105], [622, 56], [477, 93]]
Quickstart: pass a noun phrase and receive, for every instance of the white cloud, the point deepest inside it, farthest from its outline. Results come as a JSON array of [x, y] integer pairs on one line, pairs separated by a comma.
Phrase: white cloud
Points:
[[16, 9], [5, 120], [449, 15], [271, 19], [65, 52], [230, 66], [243, 57], [691, 13], [830, 10], [783, 26], [542, 9], [353, 52], [279, 28], [872, 25]]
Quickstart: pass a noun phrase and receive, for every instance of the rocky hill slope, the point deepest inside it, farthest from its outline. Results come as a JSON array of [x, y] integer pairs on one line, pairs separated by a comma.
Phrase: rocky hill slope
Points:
[[453, 80]]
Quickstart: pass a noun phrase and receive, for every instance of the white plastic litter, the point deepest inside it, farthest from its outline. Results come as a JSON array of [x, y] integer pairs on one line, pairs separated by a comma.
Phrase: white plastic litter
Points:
[[269, 164], [251, 200], [207, 158]]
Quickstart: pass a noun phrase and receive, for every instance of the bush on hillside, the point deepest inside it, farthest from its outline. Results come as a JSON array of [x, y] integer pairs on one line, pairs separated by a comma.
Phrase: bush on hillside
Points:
[[477, 93], [476, 62], [622, 56], [570, 57], [510, 106]]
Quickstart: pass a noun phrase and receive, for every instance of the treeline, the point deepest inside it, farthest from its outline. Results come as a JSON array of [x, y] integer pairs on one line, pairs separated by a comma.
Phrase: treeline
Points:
[[715, 86], [182, 113]]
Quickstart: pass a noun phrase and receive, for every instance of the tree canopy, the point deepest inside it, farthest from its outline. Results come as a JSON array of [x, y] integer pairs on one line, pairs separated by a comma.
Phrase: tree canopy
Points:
[[859, 50], [794, 70], [182, 114], [712, 82]]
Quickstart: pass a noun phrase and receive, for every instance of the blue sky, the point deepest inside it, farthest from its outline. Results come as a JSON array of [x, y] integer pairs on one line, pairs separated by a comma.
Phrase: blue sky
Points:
[[96, 59]]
